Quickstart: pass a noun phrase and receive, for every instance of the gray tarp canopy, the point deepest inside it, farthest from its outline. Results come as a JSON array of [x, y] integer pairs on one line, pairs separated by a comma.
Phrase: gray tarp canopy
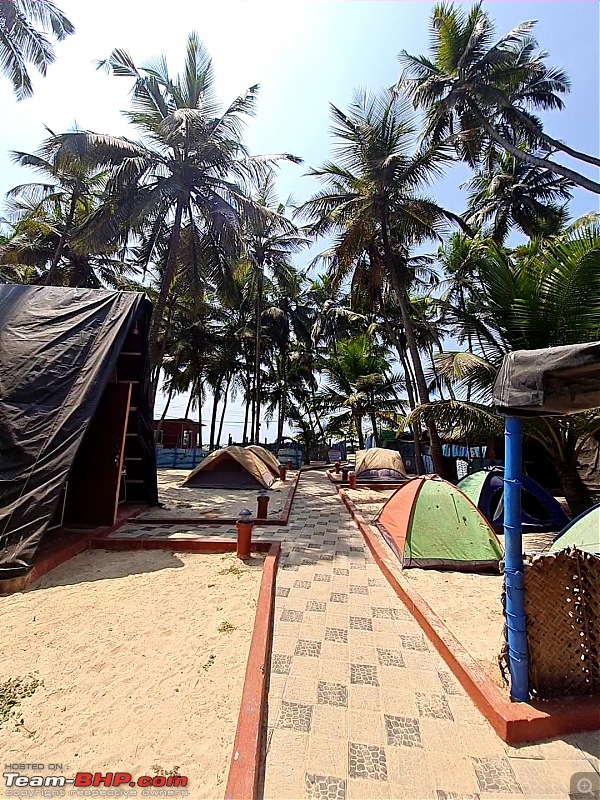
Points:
[[553, 381]]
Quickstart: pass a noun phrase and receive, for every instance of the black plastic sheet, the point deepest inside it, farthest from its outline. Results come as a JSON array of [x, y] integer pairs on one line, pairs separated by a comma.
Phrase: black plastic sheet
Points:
[[58, 349]]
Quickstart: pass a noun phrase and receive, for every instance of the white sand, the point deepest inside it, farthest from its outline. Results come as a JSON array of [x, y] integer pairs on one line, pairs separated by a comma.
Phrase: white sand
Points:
[[120, 641], [184, 502], [369, 501]]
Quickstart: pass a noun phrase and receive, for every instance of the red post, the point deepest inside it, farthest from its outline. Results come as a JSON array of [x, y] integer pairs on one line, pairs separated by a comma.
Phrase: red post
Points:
[[345, 471], [290, 464], [336, 467], [263, 504], [282, 472], [244, 534], [352, 480]]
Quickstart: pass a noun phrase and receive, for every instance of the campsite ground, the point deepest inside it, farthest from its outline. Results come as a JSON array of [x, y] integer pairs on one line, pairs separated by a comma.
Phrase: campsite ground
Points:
[[141, 659], [449, 594], [180, 501]]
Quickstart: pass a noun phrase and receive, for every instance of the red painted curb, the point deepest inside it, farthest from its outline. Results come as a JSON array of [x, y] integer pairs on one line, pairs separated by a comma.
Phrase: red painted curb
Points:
[[244, 770], [280, 521], [514, 723]]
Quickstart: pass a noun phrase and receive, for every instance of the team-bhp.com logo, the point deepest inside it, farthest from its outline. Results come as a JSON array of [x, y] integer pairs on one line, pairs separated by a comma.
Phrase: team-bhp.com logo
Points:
[[89, 780]]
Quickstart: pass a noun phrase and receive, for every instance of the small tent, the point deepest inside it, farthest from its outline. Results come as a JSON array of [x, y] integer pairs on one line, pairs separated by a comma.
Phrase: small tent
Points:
[[583, 533], [540, 511], [266, 456], [431, 524], [231, 468], [76, 435], [379, 464]]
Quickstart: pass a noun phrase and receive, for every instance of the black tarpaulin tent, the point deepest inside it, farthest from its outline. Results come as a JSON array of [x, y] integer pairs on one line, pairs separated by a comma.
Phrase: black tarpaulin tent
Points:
[[76, 431]]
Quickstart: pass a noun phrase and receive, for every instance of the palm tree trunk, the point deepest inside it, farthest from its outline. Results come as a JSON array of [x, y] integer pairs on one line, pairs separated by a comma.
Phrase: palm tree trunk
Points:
[[200, 393], [416, 432], [283, 401], [436, 376], [51, 276], [409, 332], [247, 410], [436, 445], [159, 427], [554, 144], [522, 155], [189, 402], [258, 313], [373, 417], [165, 287], [225, 401], [252, 413], [409, 391], [313, 399], [576, 492], [359, 430], [213, 419], [162, 350]]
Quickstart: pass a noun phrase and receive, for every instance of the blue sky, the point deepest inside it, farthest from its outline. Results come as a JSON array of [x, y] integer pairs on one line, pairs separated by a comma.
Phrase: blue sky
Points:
[[304, 55]]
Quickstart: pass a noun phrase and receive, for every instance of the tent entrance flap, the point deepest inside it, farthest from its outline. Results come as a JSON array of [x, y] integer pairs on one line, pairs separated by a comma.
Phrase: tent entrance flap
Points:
[[94, 488]]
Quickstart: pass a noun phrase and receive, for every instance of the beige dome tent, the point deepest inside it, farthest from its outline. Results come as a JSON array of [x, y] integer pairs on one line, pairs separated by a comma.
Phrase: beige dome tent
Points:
[[379, 464], [231, 468], [266, 456]]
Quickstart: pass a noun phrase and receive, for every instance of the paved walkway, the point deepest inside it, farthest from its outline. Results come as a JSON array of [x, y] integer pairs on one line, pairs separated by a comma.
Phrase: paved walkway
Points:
[[360, 705]]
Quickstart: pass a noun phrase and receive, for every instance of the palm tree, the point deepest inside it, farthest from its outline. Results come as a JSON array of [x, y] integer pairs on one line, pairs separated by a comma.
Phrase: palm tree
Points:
[[47, 215], [359, 383], [543, 295], [333, 316], [509, 193], [269, 242], [189, 168], [24, 40], [286, 322], [371, 203], [476, 91]]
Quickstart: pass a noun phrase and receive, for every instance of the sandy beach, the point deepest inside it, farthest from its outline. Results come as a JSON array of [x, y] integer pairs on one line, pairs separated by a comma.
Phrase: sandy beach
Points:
[[140, 658], [181, 502], [369, 501]]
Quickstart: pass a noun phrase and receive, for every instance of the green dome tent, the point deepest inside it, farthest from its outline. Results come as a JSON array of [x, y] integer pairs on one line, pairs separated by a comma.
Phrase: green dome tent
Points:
[[431, 524], [583, 533]]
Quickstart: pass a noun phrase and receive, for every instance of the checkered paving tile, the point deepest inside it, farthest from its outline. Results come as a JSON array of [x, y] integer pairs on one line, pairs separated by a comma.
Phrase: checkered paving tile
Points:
[[367, 761], [364, 674], [296, 716], [333, 694], [402, 731], [306, 647], [361, 706], [325, 787], [336, 635]]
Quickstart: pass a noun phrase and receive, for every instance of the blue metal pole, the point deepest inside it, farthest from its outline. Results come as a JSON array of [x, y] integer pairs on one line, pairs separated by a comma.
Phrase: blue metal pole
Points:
[[513, 561]]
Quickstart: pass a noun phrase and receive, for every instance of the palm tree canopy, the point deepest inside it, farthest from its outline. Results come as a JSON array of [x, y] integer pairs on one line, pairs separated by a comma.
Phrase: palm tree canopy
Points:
[[25, 27], [469, 72], [507, 193]]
